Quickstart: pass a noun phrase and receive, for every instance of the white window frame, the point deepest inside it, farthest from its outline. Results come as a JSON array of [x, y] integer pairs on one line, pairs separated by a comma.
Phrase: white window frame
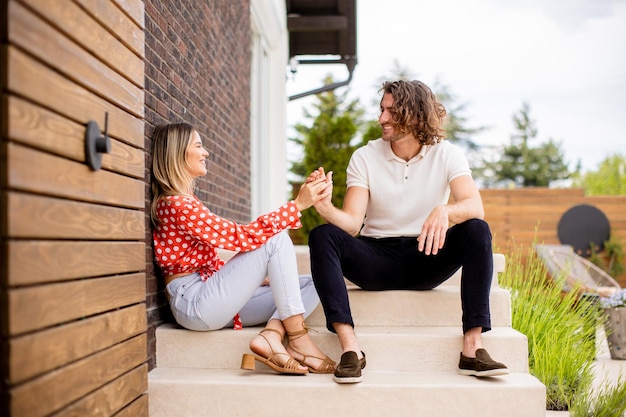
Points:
[[268, 105]]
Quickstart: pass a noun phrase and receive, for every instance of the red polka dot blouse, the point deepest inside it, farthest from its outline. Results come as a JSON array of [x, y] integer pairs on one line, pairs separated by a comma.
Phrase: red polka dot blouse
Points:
[[188, 234]]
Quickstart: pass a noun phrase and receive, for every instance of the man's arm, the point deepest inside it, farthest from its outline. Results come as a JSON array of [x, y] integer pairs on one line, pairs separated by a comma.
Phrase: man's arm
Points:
[[350, 217], [467, 205], [467, 201]]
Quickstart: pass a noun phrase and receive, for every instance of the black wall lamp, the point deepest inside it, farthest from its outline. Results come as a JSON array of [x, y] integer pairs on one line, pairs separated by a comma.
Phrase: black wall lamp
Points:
[[96, 144]]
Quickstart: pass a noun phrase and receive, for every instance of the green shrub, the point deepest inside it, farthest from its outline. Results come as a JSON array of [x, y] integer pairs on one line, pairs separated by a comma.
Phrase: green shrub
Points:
[[560, 328], [607, 401]]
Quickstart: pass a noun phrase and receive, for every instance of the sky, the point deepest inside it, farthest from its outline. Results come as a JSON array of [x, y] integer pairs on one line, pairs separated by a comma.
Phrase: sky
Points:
[[565, 58]]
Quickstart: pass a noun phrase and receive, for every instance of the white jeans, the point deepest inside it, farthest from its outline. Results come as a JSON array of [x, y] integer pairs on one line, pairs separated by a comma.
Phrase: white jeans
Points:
[[236, 288]]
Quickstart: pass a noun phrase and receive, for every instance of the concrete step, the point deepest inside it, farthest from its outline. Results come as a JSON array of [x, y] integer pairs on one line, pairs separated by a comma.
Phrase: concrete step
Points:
[[412, 340], [176, 392], [438, 307], [428, 349]]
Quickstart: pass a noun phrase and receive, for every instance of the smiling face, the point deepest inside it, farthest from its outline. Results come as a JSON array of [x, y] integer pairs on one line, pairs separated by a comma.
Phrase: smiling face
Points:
[[196, 156], [386, 120]]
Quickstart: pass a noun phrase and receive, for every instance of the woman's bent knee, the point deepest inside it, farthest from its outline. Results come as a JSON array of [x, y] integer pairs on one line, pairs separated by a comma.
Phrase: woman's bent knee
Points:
[[280, 241]]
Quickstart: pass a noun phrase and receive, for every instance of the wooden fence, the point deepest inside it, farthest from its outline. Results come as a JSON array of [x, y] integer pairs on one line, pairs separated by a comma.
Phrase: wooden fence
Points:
[[521, 217]]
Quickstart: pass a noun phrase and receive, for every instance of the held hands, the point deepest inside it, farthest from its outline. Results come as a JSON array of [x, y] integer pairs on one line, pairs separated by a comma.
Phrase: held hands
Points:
[[433, 234], [317, 187], [317, 174]]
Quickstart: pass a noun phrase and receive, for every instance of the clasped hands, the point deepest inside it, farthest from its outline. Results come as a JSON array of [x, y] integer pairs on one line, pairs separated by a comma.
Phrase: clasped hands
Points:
[[316, 188]]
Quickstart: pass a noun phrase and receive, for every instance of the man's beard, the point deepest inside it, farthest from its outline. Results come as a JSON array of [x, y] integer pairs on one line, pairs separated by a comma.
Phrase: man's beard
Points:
[[394, 136]]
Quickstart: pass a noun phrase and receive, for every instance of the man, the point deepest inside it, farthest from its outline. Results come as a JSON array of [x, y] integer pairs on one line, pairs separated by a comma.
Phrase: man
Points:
[[397, 195]]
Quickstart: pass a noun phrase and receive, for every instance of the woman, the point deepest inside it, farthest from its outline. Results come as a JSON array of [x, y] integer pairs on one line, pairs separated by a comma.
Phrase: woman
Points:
[[207, 294]]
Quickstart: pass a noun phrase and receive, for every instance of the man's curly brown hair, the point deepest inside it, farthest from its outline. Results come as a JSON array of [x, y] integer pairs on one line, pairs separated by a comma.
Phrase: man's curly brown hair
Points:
[[416, 110]]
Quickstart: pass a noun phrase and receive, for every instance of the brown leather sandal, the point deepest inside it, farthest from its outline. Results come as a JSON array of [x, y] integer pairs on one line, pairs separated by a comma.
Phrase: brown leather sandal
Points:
[[326, 367], [290, 367]]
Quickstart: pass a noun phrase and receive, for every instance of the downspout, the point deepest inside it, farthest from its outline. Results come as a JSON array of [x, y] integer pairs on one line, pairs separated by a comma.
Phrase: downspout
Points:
[[328, 87]]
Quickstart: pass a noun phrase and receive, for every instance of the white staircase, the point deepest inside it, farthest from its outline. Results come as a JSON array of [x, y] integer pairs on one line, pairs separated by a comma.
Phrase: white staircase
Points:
[[412, 340]]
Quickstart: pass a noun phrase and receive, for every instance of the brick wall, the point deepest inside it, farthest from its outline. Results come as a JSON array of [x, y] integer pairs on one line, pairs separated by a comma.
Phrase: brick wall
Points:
[[197, 70]]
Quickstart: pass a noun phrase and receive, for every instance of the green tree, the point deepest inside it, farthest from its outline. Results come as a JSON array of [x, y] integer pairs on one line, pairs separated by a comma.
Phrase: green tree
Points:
[[609, 179], [329, 142], [525, 165]]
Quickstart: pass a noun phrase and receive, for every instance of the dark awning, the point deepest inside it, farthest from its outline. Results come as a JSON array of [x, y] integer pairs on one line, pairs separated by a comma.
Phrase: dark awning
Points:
[[322, 32]]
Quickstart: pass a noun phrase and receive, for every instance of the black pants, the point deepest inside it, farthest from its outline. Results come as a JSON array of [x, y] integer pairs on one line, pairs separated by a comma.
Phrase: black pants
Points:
[[396, 264]]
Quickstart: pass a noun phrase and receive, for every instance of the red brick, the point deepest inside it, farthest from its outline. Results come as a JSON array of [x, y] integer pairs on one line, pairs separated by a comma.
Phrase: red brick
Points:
[[198, 71]]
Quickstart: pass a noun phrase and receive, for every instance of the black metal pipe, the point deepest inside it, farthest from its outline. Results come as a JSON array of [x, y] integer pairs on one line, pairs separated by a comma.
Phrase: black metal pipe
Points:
[[323, 89]]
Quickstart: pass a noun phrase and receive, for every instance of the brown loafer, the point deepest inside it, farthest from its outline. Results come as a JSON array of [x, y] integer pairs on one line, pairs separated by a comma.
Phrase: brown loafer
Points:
[[482, 365], [349, 369]]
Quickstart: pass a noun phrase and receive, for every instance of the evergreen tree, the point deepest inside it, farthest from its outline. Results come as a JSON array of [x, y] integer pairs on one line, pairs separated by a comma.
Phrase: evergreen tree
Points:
[[457, 130], [525, 165], [328, 142]]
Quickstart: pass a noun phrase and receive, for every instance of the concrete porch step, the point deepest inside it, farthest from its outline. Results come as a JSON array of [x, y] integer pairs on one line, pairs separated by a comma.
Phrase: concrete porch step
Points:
[[412, 340], [426, 349], [438, 307], [176, 392]]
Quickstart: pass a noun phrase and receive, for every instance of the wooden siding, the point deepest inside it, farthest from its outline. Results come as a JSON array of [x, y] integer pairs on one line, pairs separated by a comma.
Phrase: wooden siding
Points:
[[73, 270], [521, 217]]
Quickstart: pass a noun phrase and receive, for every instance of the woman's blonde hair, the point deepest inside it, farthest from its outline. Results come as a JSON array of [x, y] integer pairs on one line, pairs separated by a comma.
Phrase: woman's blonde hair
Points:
[[416, 110], [170, 171]]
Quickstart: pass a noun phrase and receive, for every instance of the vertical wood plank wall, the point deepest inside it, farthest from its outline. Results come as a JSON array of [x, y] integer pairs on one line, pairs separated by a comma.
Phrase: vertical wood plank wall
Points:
[[524, 216], [73, 252]]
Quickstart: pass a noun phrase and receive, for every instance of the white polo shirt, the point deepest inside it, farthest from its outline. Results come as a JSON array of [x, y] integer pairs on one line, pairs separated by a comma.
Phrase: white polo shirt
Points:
[[403, 193]]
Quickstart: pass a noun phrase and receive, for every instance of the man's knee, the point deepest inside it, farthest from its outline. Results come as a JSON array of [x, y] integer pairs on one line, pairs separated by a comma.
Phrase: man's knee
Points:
[[478, 228], [321, 234]]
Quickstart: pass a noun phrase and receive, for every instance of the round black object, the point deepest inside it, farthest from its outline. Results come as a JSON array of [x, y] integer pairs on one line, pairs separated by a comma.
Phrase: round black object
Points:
[[583, 226]]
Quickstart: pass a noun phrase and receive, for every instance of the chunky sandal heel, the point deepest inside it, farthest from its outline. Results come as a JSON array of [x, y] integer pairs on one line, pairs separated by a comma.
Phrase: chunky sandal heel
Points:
[[247, 362]]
